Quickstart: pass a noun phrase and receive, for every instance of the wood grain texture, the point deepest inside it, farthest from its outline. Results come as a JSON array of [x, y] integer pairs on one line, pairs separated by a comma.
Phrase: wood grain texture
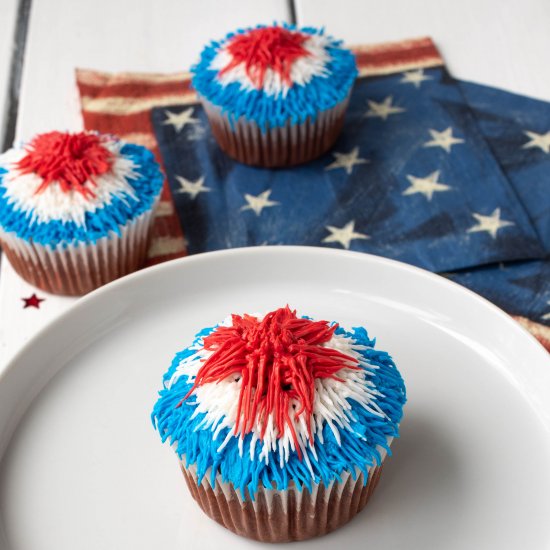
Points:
[[502, 44]]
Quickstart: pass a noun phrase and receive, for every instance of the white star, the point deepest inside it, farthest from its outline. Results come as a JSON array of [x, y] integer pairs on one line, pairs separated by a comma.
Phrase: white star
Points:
[[259, 202], [444, 139], [346, 160], [546, 316], [427, 186], [491, 223], [343, 235], [415, 77], [179, 120], [383, 110], [538, 140], [192, 188]]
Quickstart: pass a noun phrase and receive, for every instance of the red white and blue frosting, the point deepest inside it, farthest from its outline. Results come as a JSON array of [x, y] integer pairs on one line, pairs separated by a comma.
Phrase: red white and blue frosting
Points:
[[266, 401], [70, 188], [275, 74]]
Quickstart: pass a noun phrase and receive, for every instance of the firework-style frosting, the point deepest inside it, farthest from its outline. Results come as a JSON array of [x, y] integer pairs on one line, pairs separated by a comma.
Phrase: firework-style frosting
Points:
[[278, 399], [275, 74], [63, 188]]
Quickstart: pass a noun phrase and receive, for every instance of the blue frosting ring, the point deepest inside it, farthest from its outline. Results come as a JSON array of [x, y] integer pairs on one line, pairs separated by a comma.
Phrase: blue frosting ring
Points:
[[357, 452], [104, 221], [320, 94]]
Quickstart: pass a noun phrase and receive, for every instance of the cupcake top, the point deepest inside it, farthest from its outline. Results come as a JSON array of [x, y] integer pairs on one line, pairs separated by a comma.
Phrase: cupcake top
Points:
[[280, 399], [275, 74], [63, 188]]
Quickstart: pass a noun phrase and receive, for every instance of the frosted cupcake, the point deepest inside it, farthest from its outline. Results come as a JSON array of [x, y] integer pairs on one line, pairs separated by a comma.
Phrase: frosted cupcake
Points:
[[281, 423], [76, 209], [275, 95]]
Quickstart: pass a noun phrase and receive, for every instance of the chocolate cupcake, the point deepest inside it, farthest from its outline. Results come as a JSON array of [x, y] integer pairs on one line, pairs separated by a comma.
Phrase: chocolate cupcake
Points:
[[281, 423], [276, 95], [76, 209]]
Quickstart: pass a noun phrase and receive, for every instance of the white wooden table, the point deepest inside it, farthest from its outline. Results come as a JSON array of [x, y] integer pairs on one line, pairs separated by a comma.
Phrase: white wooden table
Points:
[[503, 44]]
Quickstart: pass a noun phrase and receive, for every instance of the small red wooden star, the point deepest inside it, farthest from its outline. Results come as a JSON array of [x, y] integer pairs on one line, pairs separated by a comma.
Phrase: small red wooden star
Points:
[[33, 301]]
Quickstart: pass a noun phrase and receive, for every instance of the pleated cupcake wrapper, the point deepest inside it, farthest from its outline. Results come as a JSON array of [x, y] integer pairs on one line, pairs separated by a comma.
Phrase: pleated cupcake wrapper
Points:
[[284, 515], [278, 146], [80, 268]]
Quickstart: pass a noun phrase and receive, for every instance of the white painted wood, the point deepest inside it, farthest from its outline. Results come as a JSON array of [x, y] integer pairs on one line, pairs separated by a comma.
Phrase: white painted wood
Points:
[[498, 43], [111, 35], [117, 35], [8, 15]]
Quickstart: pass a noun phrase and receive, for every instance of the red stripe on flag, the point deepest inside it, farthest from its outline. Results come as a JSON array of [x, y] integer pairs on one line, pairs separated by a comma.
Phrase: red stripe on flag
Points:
[[388, 55], [137, 90]]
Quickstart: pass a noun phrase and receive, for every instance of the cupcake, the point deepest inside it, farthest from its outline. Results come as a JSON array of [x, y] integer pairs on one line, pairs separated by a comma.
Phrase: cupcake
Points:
[[281, 423], [275, 95], [76, 209]]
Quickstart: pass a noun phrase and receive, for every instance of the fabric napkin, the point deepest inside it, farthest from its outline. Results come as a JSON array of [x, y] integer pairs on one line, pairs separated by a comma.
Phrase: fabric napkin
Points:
[[439, 130], [517, 130], [410, 178]]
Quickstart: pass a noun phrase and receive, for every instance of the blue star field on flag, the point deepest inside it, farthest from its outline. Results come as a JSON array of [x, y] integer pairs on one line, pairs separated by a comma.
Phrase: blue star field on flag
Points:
[[428, 170]]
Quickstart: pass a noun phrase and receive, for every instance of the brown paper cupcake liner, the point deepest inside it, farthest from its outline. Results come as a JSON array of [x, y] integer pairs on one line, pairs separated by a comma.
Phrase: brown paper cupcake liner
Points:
[[279, 146], [284, 516], [75, 270]]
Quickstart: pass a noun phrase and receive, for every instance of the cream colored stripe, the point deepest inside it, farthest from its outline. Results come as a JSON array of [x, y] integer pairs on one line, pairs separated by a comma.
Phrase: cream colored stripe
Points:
[[130, 105], [97, 78], [163, 246], [400, 67], [164, 208]]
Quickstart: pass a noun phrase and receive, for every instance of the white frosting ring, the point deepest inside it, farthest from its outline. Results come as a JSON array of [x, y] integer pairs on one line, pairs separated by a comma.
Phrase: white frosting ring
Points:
[[55, 204], [302, 70], [218, 401]]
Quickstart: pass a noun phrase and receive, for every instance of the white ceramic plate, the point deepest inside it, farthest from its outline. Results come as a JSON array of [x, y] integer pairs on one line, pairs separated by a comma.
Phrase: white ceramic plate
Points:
[[84, 469]]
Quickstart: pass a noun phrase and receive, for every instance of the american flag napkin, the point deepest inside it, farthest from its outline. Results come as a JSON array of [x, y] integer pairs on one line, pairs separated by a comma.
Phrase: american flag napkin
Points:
[[410, 178], [421, 173]]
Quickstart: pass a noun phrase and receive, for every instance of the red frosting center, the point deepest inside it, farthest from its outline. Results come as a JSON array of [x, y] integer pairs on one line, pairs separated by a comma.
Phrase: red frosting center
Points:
[[71, 160], [278, 360], [273, 48]]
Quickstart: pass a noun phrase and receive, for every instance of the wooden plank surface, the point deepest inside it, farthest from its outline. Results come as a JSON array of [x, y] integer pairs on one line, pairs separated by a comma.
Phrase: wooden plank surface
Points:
[[121, 35], [502, 44]]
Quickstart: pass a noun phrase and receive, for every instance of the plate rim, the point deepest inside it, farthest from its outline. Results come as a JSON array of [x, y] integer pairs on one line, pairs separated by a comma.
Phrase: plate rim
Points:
[[171, 264], [9, 427], [8, 431]]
